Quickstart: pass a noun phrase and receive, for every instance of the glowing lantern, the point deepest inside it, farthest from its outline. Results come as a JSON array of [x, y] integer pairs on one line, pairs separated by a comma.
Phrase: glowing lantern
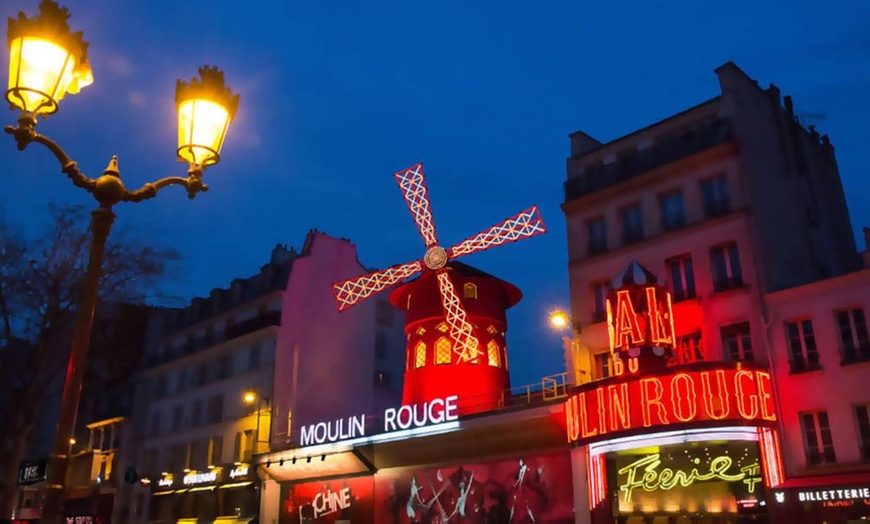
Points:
[[640, 318], [46, 60], [206, 106]]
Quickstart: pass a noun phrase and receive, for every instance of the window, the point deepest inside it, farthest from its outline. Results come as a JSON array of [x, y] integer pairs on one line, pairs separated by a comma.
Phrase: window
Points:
[[682, 277], [690, 348], [149, 464], [383, 380], [383, 313], [469, 290], [597, 230], [818, 443], [225, 367], [380, 346], [200, 374], [199, 454], [603, 365], [155, 427], [177, 457], [159, 387], [737, 342], [715, 194], [216, 450], [196, 414], [419, 355], [600, 290], [854, 341], [492, 353], [177, 416], [215, 409], [254, 356], [442, 351], [244, 446], [632, 224], [725, 262], [862, 417], [181, 380], [673, 211], [802, 345]]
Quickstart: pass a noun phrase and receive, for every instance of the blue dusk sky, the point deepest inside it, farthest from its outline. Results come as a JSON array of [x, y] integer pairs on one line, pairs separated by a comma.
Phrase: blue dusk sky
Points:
[[337, 95]]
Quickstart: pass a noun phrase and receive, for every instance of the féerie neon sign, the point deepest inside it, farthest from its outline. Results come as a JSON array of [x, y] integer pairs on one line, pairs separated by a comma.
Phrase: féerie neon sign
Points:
[[645, 473]]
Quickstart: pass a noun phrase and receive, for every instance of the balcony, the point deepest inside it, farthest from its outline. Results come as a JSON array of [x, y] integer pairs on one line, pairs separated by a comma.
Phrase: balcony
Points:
[[632, 163], [724, 284], [854, 354], [683, 295], [272, 318]]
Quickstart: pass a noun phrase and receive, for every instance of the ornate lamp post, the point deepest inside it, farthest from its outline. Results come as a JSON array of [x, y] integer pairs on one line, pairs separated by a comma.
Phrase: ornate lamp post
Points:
[[47, 62]]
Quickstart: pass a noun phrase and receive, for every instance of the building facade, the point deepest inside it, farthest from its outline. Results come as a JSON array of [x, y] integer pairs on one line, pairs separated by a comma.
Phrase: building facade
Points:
[[735, 206], [204, 397]]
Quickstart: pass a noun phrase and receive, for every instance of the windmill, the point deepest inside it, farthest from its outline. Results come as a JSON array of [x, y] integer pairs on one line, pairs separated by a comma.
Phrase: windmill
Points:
[[525, 224]]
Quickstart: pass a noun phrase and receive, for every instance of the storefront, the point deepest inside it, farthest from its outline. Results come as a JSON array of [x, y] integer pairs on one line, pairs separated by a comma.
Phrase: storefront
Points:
[[222, 495], [840, 499], [692, 443]]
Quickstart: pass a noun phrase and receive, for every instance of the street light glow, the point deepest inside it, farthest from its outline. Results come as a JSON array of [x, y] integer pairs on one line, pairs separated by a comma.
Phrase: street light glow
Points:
[[249, 397], [559, 319]]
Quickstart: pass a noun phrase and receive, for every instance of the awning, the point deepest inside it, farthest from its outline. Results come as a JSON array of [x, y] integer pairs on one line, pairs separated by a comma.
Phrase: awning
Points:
[[158, 493], [233, 520], [235, 485], [857, 477], [203, 488]]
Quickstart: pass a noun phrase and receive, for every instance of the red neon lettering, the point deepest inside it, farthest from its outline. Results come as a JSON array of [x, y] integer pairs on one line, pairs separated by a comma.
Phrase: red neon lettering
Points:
[[633, 365], [602, 414], [618, 404], [647, 401], [618, 367], [765, 398], [627, 327], [739, 382], [678, 399], [584, 418], [571, 419], [658, 330], [720, 399]]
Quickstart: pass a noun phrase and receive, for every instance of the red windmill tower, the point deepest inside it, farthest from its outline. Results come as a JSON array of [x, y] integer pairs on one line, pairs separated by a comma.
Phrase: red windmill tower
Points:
[[470, 377]]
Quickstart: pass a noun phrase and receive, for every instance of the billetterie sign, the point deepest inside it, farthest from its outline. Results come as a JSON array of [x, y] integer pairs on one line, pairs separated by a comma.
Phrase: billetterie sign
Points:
[[406, 417], [680, 397]]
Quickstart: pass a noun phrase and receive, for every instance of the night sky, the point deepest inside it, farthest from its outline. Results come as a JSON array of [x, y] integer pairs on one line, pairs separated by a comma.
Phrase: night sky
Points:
[[337, 95]]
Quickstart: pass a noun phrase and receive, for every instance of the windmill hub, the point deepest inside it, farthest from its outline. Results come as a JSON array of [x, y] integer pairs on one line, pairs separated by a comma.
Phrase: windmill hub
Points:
[[436, 257]]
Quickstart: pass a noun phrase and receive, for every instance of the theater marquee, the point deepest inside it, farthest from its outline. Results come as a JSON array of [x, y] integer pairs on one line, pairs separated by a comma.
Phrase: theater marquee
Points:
[[683, 396]]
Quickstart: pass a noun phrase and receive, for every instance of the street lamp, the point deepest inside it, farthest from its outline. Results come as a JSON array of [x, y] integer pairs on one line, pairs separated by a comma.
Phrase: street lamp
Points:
[[250, 397], [47, 62]]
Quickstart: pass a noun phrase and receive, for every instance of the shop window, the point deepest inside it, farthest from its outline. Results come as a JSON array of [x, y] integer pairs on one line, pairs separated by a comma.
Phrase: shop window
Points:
[[862, 417], [492, 353], [599, 292], [725, 264], [603, 365], [682, 275], [737, 342], [469, 290], [818, 444], [802, 345], [420, 355], [443, 347], [690, 348], [854, 341]]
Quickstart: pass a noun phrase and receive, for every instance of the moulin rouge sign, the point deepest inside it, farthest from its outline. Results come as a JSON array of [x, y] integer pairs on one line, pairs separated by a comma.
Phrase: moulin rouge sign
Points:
[[697, 393]]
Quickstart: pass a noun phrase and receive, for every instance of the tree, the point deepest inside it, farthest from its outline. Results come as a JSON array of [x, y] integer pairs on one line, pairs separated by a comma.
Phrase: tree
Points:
[[40, 280]]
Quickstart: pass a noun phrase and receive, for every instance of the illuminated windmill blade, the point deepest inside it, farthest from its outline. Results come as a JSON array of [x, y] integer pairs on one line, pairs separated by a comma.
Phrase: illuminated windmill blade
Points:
[[465, 343], [349, 292], [522, 225], [417, 196]]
